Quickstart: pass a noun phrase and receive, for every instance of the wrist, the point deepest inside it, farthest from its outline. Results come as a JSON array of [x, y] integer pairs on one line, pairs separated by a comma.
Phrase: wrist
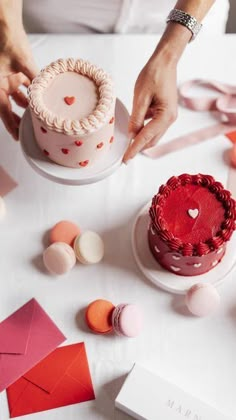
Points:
[[172, 43]]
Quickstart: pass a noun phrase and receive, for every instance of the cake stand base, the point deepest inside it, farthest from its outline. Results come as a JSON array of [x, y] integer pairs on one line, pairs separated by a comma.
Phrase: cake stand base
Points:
[[74, 176], [165, 279]]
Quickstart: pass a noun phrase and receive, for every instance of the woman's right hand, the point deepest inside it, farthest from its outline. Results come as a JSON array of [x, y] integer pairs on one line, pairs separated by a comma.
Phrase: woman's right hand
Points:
[[17, 68]]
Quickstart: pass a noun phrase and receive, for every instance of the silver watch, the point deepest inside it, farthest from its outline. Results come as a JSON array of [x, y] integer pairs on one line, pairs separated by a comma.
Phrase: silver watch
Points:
[[190, 22]]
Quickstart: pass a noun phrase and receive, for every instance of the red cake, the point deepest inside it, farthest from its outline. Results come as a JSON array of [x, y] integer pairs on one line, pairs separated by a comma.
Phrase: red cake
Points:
[[191, 220]]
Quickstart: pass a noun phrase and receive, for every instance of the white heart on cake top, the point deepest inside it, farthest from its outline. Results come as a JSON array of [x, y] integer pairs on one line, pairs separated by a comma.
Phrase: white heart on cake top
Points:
[[193, 213]]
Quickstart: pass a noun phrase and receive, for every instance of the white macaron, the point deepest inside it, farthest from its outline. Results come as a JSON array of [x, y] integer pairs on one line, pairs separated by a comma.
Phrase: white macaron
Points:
[[59, 258], [2, 208], [202, 299], [89, 247]]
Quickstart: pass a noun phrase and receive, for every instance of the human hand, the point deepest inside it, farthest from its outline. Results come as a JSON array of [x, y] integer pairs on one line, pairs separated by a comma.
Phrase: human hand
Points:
[[155, 98], [17, 68]]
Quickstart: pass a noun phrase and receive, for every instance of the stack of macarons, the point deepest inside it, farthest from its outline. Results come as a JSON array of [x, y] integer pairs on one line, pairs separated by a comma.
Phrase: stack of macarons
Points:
[[102, 317], [68, 243], [2, 208]]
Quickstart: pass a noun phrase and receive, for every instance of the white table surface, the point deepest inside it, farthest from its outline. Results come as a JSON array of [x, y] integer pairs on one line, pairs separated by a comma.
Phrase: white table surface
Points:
[[196, 354]]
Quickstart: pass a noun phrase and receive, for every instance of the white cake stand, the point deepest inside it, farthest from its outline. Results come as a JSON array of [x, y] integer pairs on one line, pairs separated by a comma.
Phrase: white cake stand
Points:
[[73, 176], [165, 279]]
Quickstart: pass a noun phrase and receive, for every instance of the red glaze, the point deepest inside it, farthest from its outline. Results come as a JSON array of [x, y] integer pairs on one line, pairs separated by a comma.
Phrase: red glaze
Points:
[[100, 145], [65, 151], [189, 245], [46, 152], [69, 100], [78, 143]]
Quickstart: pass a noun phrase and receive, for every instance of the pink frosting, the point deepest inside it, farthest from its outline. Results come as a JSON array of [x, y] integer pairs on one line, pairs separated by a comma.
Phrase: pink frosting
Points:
[[78, 133]]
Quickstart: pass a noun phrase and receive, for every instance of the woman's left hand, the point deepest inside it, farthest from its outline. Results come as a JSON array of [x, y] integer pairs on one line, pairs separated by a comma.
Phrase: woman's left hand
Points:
[[155, 98]]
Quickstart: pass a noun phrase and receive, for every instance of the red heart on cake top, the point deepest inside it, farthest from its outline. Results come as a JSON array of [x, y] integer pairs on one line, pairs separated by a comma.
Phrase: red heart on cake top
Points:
[[43, 130], [99, 146], [78, 142], [65, 151], [69, 100], [112, 139], [46, 152]]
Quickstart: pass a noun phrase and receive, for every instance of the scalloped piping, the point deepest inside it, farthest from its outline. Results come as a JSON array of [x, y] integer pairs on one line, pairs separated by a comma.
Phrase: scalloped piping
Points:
[[202, 248], [95, 120]]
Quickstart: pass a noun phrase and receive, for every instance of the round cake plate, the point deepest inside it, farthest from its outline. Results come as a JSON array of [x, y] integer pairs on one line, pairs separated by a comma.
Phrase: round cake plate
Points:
[[74, 176], [164, 279]]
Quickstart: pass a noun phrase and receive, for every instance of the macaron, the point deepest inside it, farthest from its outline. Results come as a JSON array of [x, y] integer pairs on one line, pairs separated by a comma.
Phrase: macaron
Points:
[[202, 299], [89, 247], [59, 258], [233, 156], [98, 316], [2, 208], [127, 320], [64, 231]]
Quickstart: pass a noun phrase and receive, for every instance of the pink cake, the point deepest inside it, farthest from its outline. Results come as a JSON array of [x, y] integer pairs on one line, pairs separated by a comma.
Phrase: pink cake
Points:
[[191, 220], [72, 106]]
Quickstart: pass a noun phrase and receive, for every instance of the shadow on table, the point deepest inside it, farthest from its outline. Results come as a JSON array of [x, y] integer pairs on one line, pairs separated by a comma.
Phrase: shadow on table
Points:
[[179, 307], [119, 253], [105, 400]]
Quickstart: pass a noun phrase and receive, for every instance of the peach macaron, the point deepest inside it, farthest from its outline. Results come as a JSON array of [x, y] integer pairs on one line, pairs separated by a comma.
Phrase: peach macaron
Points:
[[64, 231]]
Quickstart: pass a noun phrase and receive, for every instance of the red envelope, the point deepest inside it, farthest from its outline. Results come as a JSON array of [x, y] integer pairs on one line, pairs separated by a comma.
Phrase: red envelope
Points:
[[26, 337], [63, 378]]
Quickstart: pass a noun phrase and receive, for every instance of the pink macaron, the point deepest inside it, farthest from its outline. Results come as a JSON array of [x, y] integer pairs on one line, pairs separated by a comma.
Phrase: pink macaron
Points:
[[59, 258], [202, 299], [127, 320]]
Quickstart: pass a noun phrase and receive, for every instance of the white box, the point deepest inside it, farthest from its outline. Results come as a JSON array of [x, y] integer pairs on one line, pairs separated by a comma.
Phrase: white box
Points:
[[146, 396]]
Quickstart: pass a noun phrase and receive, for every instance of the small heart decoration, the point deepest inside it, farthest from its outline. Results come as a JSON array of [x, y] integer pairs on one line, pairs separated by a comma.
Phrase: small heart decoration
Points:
[[69, 100], [100, 145], [214, 263], [176, 257], [193, 213], [112, 139], [65, 151], [84, 163], [43, 130], [157, 249], [78, 143], [46, 152], [197, 265], [174, 268]]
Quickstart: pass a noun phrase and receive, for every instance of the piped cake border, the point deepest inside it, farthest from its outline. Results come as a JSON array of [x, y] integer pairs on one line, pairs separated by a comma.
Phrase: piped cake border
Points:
[[201, 248], [100, 115]]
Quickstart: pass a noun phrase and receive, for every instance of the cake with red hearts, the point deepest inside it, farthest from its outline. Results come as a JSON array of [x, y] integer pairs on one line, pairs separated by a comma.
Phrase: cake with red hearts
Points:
[[72, 107], [191, 220]]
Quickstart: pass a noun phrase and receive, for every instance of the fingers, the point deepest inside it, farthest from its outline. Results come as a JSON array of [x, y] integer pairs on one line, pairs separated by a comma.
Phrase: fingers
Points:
[[30, 70], [10, 119], [16, 80], [149, 134], [19, 98], [140, 107]]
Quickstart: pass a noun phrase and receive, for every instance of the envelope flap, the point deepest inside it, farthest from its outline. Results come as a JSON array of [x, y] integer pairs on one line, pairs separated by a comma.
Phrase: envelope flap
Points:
[[50, 371], [15, 330]]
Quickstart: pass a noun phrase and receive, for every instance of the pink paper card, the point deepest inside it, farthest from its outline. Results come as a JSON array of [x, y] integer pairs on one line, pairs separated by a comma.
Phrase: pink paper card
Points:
[[26, 337], [7, 183]]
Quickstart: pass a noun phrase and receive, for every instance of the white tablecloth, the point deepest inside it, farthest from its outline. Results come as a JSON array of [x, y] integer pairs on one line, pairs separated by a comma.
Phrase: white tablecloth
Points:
[[196, 354]]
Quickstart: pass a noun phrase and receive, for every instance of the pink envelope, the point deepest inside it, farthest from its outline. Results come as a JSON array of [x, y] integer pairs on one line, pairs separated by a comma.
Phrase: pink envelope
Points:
[[26, 337]]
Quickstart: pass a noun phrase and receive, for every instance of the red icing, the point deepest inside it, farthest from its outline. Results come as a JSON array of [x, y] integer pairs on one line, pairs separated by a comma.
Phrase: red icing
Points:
[[84, 163], [198, 241], [69, 100], [65, 151], [43, 130], [112, 139], [78, 143], [188, 229], [100, 145], [46, 152]]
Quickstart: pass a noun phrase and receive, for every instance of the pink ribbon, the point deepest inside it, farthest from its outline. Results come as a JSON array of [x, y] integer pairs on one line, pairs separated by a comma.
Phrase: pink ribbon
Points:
[[224, 103]]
